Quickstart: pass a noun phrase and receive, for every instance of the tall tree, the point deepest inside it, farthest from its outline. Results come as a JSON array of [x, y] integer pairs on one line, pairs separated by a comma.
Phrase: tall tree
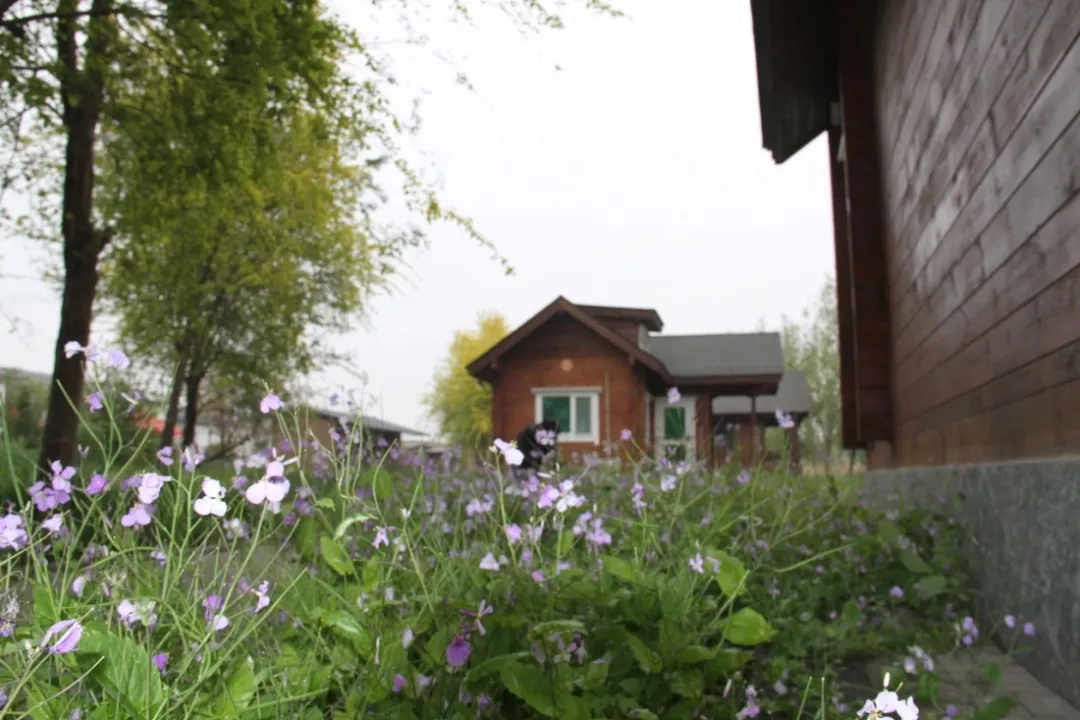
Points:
[[459, 402], [812, 346], [237, 277], [65, 64]]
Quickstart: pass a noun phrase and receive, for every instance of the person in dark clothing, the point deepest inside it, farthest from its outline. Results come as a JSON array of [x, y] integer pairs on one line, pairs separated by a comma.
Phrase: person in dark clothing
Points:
[[538, 442]]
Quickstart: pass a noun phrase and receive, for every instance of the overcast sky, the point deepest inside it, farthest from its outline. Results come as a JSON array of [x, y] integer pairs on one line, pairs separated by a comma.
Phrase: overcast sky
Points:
[[616, 162]]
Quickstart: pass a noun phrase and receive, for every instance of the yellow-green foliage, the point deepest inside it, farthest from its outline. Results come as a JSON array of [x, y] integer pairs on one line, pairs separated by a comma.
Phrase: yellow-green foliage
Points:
[[460, 403]]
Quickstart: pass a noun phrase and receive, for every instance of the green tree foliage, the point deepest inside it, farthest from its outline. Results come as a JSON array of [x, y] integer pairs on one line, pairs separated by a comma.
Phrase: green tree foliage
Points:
[[460, 403], [812, 346], [235, 266], [72, 69]]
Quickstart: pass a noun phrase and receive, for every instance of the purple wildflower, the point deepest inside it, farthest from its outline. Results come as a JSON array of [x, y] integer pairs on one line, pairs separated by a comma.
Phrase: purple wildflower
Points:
[[458, 651]]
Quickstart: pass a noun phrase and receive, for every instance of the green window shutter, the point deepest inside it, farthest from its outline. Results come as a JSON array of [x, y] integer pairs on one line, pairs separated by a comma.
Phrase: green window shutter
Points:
[[674, 423]]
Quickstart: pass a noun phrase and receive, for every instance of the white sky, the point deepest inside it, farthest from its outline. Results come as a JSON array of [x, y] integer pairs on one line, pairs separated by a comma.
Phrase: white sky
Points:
[[632, 176]]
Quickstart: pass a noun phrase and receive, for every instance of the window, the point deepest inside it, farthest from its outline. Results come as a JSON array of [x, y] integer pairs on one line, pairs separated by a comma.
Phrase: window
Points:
[[576, 410], [675, 429], [674, 423]]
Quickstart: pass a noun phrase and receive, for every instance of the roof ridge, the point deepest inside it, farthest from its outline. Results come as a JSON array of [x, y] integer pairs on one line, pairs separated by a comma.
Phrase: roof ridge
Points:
[[717, 334]]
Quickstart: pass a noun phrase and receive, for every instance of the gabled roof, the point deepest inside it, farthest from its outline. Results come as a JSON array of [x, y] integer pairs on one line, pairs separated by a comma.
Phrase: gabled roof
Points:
[[794, 44], [793, 397], [480, 367], [18, 374], [731, 354], [371, 423]]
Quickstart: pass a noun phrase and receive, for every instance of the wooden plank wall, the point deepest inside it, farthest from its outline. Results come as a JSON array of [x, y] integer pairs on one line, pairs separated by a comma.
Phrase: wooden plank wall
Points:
[[978, 107]]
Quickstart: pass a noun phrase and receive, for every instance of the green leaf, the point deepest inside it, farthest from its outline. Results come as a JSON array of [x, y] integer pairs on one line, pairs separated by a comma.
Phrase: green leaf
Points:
[[682, 710], [494, 665], [931, 586], [693, 654], [435, 649], [648, 660], [674, 596], [380, 482], [44, 608], [336, 557], [304, 537], [375, 692], [545, 629], [239, 690], [747, 627], [595, 675], [40, 707], [347, 626], [348, 522], [530, 685], [566, 543], [642, 714], [688, 683], [319, 679], [729, 660], [373, 573], [995, 709], [124, 669], [621, 569], [914, 563], [992, 672], [851, 613], [731, 575], [887, 530], [572, 707]]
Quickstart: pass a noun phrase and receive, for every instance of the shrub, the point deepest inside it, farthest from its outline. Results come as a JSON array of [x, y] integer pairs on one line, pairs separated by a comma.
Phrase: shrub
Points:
[[359, 590]]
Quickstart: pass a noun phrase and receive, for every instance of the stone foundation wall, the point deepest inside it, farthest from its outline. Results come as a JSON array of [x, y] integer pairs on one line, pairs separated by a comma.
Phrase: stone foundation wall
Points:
[[1023, 540]]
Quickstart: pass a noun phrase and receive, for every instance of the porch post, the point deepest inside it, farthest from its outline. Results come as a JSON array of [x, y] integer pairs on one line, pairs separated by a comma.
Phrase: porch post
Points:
[[711, 439], [794, 448], [753, 431]]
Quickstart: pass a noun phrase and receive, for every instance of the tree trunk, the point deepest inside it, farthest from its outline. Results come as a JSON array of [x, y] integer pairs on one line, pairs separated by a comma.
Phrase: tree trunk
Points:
[[191, 409], [81, 94], [172, 411]]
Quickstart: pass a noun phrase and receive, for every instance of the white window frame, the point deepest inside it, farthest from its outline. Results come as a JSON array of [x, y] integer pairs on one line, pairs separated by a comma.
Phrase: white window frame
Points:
[[566, 435]]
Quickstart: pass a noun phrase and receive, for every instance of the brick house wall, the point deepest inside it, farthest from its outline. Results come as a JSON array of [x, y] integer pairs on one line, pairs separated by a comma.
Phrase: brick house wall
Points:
[[560, 354]]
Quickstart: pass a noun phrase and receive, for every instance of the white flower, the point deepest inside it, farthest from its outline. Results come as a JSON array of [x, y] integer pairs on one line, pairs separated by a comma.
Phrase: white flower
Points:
[[489, 563], [212, 502], [509, 451], [888, 702], [268, 491]]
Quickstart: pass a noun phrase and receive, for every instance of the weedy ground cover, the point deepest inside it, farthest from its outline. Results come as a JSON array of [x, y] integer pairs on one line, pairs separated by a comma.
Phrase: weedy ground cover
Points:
[[314, 582]]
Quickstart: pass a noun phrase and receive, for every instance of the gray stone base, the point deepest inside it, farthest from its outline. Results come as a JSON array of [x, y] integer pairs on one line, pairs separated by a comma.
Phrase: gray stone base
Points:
[[1022, 523]]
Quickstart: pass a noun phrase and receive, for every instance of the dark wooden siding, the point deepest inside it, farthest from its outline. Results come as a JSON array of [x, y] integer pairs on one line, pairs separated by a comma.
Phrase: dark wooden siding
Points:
[[978, 109], [629, 329]]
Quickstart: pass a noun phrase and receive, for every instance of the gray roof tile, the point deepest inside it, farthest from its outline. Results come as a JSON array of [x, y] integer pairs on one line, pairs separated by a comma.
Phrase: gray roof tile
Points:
[[793, 396], [371, 423], [723, 354]]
